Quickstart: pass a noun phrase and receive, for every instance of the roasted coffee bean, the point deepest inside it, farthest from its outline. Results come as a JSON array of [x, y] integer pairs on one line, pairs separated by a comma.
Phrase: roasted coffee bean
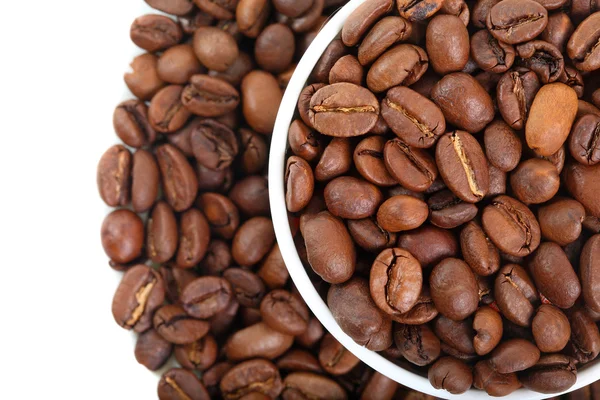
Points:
[[139, 294], [542, 58], [502, 146], [402, 213], [274, 48], [220, 9], [561, 220], [352, 198], [487, 325], [383, 35], [417, 343], [334, 358], [380, 387], [258, 340], [429, 244], [584, 143], [153, 32], [261, 96], [362, 18], [215, 48], [130, 121], [251, 195], [178, 177], [343, 110], [480, 11], [206, 296], [516, 21], [175, 279], [582, 46], [403, 64], [478, 250], [222, 215], [252, 241], [209, 97], [514, 355], [312, 335], [272, 270], [194, 237], [490, 54], [336, 160], [284, 312], [457, 8], [584, 345], [178, 7], [307, 20], [175, 326], [515, 294], [297, 360], [422, 312], [552, 374], [299, 181], [369, 235], [255, 375], [588, 271], [551, 329], [511, 226], [454, 289], [304, 102], [558, 31], [143, 80], [456, 334], [554, 276], [304, 142], [450, 374], [414, 168], [580, 181], [515, 93], [192, 21], [253, 151], [113, 176], [447, 44], [485, 377], [122, 236], [448, 211], [573, 78], [413, 117], [248, 288], [463, 166], [364, 322], [178, 383], [162, 235], [497, 181], [419, 10], [199, 355], [535, 181], [178, 64], [464, 102], [396, 280], [334, 51], [306, 385], [251, 16], [151, 350], [145, 181], [346, 69], [292, 8], [329, 248]]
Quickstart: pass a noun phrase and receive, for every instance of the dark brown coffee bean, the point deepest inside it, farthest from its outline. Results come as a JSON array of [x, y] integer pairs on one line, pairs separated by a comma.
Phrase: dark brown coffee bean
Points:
[[478, 250], [297, 360], [166, 112], [552, 374], [464, 102], [161, 233], [369, 235], [515, 294], [304, 142], [312, 335], [542, 58], [261, 96], [589, 268], [130, 121], [485, 377], [145, 181], [220, 9], [383, 35], [419, 10], [380, 387], [306, 385], [252, 241], [174, 325], [511, 226], [417, 343], [299, 182], [361, 19], [274, 48], [422, 312], [258, 340], [334, 358], [273, 271], [561, 220], [364, 322], [222, 215], [214, 180], [454, 289], [450, 374], [429, 244], [179, 179], [151, 350], [139, 294], [554, 276], [113, 176], [218, 258], [514, 21], [582, 47], [254, 152], [584, 143], [352, 198], [551, 329], [175, 279], [480, 11], [332, 53], [178, 383], [329, 247], [584, 345], [304, 102], [257, 375], [447, 44], [214, 374], [143, 80], [122, 235], [346, 69], [497, 181], [209, 97], [153, 32], [223, 321], [463, 166], [396, 280], [448, 211], [514, 355], [402, 213], [343, 110], [251, 195], [194, 238], [502, 146], [403, 64], [199, 355], [580, 182], [490, 54], [456, 334], [515, 93], [206, 296], [284, 312], [535, 181], [414, 168], [177, 7], [292, 8], [573, 78], [552, 114], [558, 31], [335, 161], [487, 325], [248, 288]]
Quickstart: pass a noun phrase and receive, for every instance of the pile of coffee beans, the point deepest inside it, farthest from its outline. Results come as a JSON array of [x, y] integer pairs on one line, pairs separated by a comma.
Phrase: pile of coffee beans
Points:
[[444, 172]]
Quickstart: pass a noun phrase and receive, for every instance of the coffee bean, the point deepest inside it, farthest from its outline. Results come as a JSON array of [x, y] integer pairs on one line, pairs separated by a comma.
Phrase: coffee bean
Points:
[[304, 102], [199, 355], [206, 296], [122, 235], [490, 54], [304, 142], [222, 215], [306, 385], [145, 181], [381, 36], [220, 9], [292, 8], [178, 383], [422, 312], [209, 97], [573, 78], [307, 20], [561, 220], [334, 358], [450, 374], [480, 11], [402, 213], [352, 198], [535, 181], [551, 329], [254, 152], [194, 237], [516, 91], [447, 43], [175, 279], [177, 7], [251, 196], [552, 374], [429, 244], [215, 48], [166, 112], [515, 294], [333, 52], [368, 159], [143, 80], [178, 64], [419, 10], [139, 294], [478, 250], [584, 143], [487, 325], [223, 322], [454, 289], [284, 312], [161, 233], [502, 146], [380, 386], [588, 272], [258, 340], [403, 64], [514, 355], [346, 69], [272, 270], [417, 343], [151, 350], [113, 176], [274, 48], [580, 181], [299, 181], [192, 21], [130, 121], [154, 32], [464, 102], [448, 211], [369, 235], [251, 16], [516, 21], [297, 360], [558, 31], [255, 375], [252, 241], [456, 334], [261, 96], [494, 383], [248, 288], [175, 326], [542, 58], [584, 345], [361, 19], [582, 45]]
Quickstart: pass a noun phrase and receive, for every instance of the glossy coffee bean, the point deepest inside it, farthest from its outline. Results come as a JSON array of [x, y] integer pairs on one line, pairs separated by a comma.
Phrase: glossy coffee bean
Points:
[[369, 235], [166, 113], [487, 325], [178, 177], [175, 326], [422, 312], [515, 294], [177, 382], [561, 220], [584, 142], [304, 142], [273, 271], [516, 22], [542, 58], [302, 385], [514, 355], [261, 96], [284, 312], [130, 121], [346, 69], [122, 236], [552, 374], [402, 213], [333, 52], [535, 181], [209, 97], [162, 235], [502, 146], [450, 374], [410, 61], [588, 271], [304, 102], [551, 329], [251, 196], [334, 358], [418, 10], [429, 244], [581, 46], [248, 288], [258, 340], [252, 241], [478, 250], [199, 355], [491, 54], [447, 44], [448, 211], [515, 93], [299, 181], [417, 343], [336, 160], [143, 80], [485, 377], [257, 375], [580, 181], [221, 213], [362, 18], [454, 289], [113, 176], [584, 345], [351, 198], [381, 36], [154, 32], [206, 296], [456, 334], [145, 181], [178, 64], [151, 350], [369, 161], [414, 168]]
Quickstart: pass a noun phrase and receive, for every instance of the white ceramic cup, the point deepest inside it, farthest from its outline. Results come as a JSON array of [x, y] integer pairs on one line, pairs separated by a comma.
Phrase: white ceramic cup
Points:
[[279, 144]]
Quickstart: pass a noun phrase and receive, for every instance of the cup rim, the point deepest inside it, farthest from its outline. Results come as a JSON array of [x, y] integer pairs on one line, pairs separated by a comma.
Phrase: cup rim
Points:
[[277, 158]]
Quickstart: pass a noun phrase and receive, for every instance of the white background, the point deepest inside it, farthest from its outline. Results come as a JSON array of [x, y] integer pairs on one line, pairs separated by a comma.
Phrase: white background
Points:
[[61, 68]]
